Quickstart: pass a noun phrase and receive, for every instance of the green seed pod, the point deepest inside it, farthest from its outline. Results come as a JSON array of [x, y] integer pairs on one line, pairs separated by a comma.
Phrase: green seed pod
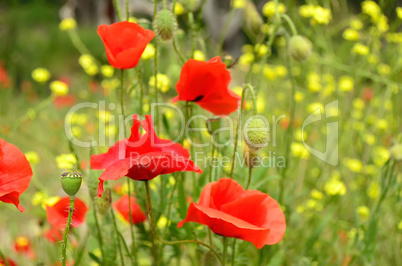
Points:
[[165, 25], [71, 182], [256, 133], [213, 124], [300, 48], [105, 201], [209, 258], [190, 5]]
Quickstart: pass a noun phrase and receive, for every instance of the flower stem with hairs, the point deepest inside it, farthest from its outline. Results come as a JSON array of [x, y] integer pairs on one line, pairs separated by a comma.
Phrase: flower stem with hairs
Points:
[[153, 232], [67, 229]]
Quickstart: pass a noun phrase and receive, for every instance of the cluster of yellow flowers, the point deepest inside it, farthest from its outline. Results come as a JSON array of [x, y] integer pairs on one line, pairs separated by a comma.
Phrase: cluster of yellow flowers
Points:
[[314, 203], [88, 64], [66, 161], [316, 13], [59, 88], [149, 52], [335, 186], [373, 10], [162, 84], [270, 8]]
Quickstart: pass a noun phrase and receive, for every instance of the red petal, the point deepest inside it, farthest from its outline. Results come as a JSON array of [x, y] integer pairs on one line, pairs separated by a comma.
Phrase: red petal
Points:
[[122, 206], [57, 214], [115, 153], [224, 191]]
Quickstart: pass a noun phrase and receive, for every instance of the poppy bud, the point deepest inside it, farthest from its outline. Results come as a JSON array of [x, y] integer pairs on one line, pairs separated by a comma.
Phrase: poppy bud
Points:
[[256, 133], [71, 182], [213, 124], [300, 48], [229, 61], [105, 201], [190, 5], [251, 157], [396, 152], [165, 24], [209, 258], [253, 20]]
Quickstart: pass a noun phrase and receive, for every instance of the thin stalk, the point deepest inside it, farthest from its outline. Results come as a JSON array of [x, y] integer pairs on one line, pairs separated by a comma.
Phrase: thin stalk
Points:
[[123, 241], [290, 23], [153, 232], [156, 67], [233, 251], [177, 51], [225, 248], [133, 246], [3, 258], [192, 33], [122, 93], [222, 36], [116, 7], [213, 156], [168, 214], [250, 170], [195, 242], [127, 10], [67, 229], [98, 230], [211, 242], [141, 90]]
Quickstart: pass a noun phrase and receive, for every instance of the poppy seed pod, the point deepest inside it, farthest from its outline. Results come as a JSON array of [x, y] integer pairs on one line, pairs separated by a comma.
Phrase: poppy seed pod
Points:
[[165, 25], [256, 133], [300, 48], [71, 182]]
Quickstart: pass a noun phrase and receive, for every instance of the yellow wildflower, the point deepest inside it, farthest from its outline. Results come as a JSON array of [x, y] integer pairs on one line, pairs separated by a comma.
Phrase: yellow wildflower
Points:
[[372, 9], [163, 82], [360, 49], [59, 88], [321, 15], [311, 108], [314, 82], [306, 10], [380, 155], [199, 55], [373, 190], [334, 186], [132, 19], [149, 51], [316, 194], [269, 9], [369, 139], [399, 12], [86, 60], [384, 69], [238, 4], [358, 104], [38, 198], [107, 71], [66, 161], [261, 49], [32, 157], [351, 35], [298, 150], [49, 201], [110, 84], [354, 165], [178, 9], [382, 24], [346, 83], [356, 24], [67, 24], [281, 71], [246, 59], [162, 222], [40, 75], [269, 73], [299, 96], [363, 212]]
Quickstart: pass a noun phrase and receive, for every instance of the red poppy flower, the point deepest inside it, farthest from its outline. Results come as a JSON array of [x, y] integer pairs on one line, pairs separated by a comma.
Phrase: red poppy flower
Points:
[[124, 43], [142, 157], [231, 211], [15, 174], [53, 235], [58, 213], [22, 245], [121, 206], [9, 261], [63, 101], [207, 84]]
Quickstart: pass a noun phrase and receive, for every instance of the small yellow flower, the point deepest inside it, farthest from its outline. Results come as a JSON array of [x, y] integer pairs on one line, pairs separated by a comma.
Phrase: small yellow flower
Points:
[[400, 225], [107, 71], [372, 9], [76, 131], [399, 12], [261, 49], [91, 70], [356, 24], [382, 24], [316, 194], [66, 161], [306, 10], [360, 49], [311, 108], [369, 139], [346, 83], [178, 9], [358, 104], [132, 19], [384, 69], [380, 155], [372, 59], [321, 15], [163, 82], [238, 4], [269, 9], [40, 75], [32, 157], [299, 96], [298, 150], [281, 71], [110, 84], [260, 102], [334, 186], [86, 60], [199, 55], [67, 24], [373, 190], [49, 201], [59, 88], [381, 124], [395, 37], [162, 222], [246, 59], [354, 165], [149, 51], [269, 73], [314, 82], [351, 35], [38, 198], [363, 212]]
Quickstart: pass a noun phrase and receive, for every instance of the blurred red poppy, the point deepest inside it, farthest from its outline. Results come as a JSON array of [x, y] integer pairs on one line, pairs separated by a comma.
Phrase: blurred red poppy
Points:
[[124, 43], [142, 157], [121, 206], [63, 101], [57, 214], [207, 84], [231, 211], [53, 235], [5, 80], [22, 245], [15, 174], [9, 261]]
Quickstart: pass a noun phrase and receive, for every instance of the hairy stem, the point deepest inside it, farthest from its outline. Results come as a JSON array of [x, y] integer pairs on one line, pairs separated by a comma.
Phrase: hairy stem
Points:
[[66, 231]]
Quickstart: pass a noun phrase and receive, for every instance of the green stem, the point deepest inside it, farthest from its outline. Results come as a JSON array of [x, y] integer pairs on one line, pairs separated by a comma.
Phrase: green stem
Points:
[[3, 258], [233, 251], [246, 87], [192, 32], [122, 93], [153, 231], [133, 246], [127, 10], [98, 230], [116, 7], [290, 23], [225, 248], [250, 170], [156, 68], [121, 238], [211, 242], [168, 214], [222, 36], [213, 157], [66, 231], [195, 242], [177, 51], [141, 90]]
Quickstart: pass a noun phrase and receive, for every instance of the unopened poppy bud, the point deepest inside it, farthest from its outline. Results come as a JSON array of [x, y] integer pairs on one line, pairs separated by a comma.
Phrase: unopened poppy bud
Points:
[[251, 157], [252, 18], [300, 48], [256, 133], [165, 24], [190, 5], [105, 201], [71, 182], [229, 61], [209, 258], [213, 124], [396, 152]]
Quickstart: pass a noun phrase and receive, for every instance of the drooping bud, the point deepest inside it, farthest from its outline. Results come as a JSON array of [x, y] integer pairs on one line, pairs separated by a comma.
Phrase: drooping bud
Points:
[[300, 48], [105, 201], [165, 25], [213, 124], [71, 182], [209, 258], [256, 133]]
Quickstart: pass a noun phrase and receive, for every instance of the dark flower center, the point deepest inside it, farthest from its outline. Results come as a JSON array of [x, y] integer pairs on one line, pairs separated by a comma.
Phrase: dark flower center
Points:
[[198, 98]]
